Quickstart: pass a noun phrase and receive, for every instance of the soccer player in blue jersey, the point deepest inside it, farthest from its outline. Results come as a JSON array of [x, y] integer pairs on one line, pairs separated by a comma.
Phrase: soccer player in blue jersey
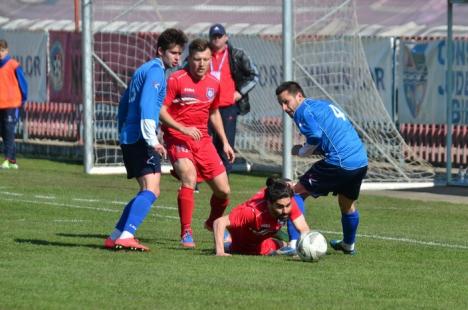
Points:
[[138, 119], [328, 132]]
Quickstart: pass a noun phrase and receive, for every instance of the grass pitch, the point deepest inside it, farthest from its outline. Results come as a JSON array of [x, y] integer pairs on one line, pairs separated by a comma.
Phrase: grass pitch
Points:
[[53, 219]]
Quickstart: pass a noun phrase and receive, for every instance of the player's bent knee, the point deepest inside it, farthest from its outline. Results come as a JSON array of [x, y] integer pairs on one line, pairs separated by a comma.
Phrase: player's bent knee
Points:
[[223, 192]]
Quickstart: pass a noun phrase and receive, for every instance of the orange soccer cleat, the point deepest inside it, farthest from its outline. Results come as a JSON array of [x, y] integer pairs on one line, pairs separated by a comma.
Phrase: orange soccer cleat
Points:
[[109, 243], [131, 244]]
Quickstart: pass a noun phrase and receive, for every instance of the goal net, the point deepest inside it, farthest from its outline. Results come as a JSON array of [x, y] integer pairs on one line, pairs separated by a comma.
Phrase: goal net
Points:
[[329, 63]]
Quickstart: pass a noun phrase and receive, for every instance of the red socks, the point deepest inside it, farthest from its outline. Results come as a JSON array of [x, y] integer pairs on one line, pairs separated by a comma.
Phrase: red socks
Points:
[[218, 205], [186, 205]]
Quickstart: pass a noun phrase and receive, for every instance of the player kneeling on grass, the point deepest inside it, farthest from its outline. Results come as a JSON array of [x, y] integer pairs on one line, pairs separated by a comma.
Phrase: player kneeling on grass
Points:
[[254, 224]]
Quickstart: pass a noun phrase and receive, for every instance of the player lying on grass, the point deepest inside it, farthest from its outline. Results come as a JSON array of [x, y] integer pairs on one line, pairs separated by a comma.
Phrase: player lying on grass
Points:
[[254, 224]]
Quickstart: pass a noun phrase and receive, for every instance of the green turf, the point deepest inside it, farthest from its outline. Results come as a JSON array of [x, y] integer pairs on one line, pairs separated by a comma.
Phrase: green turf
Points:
[[53, 219]]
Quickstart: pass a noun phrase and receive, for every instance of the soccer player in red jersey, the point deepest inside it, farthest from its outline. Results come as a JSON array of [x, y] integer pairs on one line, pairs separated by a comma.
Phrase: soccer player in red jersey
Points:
[[191, 102], [254, 223]]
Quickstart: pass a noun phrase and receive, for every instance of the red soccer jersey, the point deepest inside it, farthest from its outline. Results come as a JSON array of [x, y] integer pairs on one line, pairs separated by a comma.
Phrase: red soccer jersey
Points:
[[189, 101], [220, 63], [251, 222]]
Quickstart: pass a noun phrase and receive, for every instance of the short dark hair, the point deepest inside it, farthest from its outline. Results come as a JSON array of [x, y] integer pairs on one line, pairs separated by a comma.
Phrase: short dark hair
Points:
[[278, 188], [292, 87], [198, 45], [3, 44], [171, 37]]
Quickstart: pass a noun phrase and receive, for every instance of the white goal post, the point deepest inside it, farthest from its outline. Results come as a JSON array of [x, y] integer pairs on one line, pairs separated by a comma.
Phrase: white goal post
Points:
[[328, 61]]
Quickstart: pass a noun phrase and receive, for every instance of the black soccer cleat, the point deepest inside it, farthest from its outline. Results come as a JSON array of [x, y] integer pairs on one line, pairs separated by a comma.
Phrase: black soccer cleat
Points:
[[337, 245]]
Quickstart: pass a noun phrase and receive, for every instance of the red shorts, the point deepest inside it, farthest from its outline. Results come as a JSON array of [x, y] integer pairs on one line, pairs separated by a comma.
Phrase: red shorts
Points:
[[263, 248], [202, 153]]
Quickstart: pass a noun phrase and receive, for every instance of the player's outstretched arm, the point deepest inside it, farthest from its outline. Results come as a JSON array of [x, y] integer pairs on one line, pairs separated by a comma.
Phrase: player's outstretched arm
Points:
[[301, 224], [219, 226]]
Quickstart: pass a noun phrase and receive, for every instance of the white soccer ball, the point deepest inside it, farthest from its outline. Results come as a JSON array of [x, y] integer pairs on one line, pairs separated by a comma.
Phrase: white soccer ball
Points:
[[312, 246]]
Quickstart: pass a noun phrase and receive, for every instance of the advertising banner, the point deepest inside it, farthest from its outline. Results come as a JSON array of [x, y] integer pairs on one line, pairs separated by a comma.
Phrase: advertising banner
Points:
[[65, 67], [421, 82], [29, 48]]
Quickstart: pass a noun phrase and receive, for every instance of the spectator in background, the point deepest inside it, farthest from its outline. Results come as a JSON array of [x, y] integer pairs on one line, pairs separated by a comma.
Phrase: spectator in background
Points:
[[238, 76], [13, 94]]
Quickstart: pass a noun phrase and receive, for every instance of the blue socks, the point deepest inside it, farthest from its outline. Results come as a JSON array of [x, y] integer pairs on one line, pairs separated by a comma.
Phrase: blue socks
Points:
[[123, 218], [136, 211], [350, 223], [293, 233]]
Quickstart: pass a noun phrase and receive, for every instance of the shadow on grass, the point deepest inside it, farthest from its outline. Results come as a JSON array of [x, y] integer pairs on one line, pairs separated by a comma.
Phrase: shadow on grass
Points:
[[103, 236], [56, 243], [166, 243], [99, 236]]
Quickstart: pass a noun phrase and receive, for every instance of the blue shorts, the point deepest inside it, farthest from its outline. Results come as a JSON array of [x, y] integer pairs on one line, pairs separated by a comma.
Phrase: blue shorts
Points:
[[323, 178], [140, 159]]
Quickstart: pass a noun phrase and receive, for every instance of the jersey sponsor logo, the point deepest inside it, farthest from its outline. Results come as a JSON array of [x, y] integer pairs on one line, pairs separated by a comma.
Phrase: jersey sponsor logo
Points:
[[189, 90], [261, 232], [210, 93], [181, 149], [187, 101], [264, 230]]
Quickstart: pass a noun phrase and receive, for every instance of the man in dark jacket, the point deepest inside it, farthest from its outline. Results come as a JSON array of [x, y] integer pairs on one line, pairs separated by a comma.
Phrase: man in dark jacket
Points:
[[238, 76]]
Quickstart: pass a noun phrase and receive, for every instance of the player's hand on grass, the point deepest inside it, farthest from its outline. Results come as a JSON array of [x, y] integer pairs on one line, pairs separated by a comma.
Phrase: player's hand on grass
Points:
[[229, 153], [192, 132], [161, 150], [295, 149], [223, 254]]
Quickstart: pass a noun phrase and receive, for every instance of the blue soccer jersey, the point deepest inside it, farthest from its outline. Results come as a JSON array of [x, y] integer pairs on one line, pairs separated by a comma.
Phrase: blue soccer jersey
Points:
[[141, 103], [325, 125]]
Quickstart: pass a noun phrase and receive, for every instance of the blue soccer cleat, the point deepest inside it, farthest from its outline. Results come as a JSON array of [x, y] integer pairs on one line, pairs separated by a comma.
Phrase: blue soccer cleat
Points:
[[287, 251], [187, 240], [337, 245]]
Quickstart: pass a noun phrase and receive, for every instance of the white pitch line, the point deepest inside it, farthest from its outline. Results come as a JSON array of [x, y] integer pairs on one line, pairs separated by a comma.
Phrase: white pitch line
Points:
[[56, 204], [70, 221], [118, 202], [12, 194], [406, 240], [44, 197], [122, 203], [85, 200]]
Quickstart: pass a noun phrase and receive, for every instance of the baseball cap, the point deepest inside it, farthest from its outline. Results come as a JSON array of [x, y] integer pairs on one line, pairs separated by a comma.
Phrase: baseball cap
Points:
[[217, 29]]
